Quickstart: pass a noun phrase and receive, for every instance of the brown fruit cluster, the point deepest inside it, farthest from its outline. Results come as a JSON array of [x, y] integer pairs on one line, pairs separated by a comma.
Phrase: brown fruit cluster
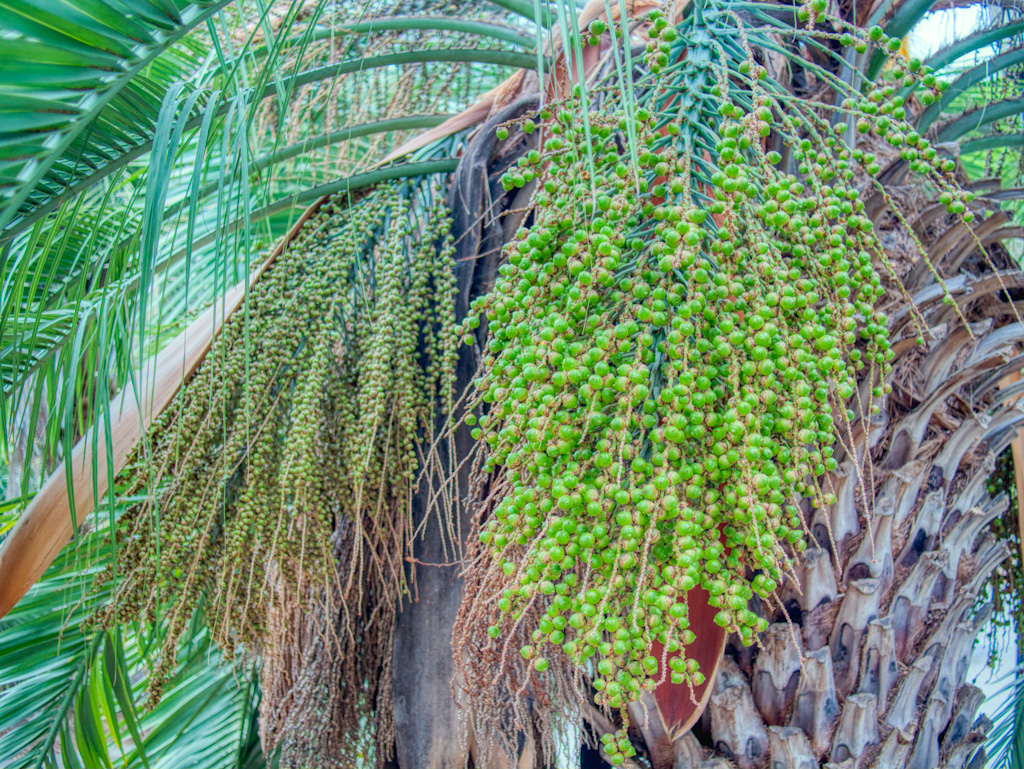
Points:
[[297, 432]]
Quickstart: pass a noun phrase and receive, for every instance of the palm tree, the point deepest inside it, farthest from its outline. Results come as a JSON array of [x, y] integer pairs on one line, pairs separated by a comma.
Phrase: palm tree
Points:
[[152, 158]]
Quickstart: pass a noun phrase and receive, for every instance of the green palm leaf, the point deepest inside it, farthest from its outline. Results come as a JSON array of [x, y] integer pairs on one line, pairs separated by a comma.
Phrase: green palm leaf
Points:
[[70, 695], [975, 119], [99, 57], [182, 217]]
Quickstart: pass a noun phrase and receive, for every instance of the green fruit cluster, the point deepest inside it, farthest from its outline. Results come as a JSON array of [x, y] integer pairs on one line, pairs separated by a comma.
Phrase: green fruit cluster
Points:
[[675, 348]]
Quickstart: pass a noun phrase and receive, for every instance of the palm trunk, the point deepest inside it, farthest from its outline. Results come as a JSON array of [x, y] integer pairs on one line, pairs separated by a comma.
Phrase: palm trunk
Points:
[[423, 662]]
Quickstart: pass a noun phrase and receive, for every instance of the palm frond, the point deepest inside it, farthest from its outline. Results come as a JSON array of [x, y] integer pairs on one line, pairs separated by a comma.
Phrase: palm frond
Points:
[[992, 141], [82, 80], [1005, 743], [975, 42], [73, 695], [190, 199], [973, 120], [987, 69]]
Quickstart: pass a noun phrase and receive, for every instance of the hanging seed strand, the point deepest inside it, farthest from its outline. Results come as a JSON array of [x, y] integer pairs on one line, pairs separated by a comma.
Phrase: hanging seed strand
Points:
[[298, 429]]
